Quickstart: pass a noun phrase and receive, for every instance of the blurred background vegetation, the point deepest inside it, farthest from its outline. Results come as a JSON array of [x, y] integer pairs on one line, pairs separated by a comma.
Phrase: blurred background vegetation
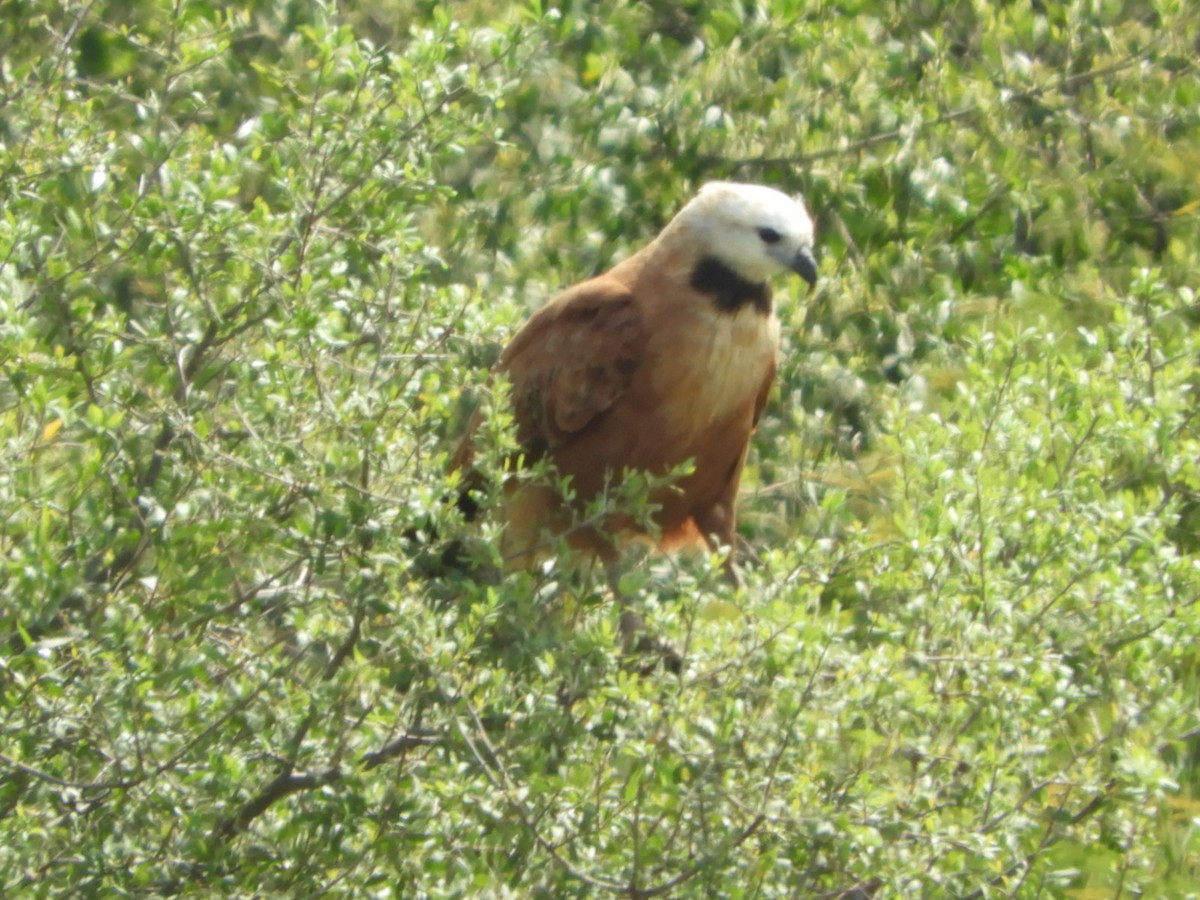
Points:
[[255, 261]]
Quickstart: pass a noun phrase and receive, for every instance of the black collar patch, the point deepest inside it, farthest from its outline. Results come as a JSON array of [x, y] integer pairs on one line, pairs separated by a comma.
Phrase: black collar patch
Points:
[[729, 290]]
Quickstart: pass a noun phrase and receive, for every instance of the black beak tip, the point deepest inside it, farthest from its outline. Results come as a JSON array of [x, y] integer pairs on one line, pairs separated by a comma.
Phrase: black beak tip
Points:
[[805, 266]]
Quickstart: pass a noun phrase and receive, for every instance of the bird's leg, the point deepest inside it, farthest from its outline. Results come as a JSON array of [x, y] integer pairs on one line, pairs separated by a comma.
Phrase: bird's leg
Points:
[[732, 570], [631, 623], [632, 631]]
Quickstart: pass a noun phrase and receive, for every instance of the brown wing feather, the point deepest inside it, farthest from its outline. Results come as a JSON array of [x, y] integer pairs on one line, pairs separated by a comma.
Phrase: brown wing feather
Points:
[[573, 360]]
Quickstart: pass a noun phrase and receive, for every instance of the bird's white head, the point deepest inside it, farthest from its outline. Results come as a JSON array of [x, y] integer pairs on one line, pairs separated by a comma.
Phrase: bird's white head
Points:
[[754, 230]]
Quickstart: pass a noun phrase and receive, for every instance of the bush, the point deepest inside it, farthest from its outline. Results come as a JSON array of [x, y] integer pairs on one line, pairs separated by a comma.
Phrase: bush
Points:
[[255, 260]]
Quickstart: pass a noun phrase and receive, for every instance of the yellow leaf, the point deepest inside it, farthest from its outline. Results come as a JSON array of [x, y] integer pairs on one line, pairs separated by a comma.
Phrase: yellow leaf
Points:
[[1057, 794], [721, 611], [51, 430], [593, 68], [1184, 807], [1092, 893], [1189, 207]]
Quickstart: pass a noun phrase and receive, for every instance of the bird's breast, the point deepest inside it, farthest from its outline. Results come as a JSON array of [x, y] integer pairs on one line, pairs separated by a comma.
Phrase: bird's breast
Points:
[[715, 368]]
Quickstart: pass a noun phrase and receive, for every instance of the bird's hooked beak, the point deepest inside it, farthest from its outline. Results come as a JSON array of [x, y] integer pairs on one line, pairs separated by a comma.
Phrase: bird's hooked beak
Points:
[[804, 264]]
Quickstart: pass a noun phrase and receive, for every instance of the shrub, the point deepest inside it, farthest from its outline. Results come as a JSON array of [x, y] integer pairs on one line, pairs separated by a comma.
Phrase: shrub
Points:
[[255, 261]]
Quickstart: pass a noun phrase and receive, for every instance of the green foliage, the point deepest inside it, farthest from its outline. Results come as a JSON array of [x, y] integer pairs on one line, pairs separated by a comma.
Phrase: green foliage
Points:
[[255, 260]]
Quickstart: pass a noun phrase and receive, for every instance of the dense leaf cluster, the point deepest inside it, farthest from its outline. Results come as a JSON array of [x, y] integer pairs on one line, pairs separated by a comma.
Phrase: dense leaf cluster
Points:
[[255, 260]]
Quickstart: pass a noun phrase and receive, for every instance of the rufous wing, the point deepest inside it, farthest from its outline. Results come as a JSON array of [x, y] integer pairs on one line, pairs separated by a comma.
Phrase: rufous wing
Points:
[[574, 359]]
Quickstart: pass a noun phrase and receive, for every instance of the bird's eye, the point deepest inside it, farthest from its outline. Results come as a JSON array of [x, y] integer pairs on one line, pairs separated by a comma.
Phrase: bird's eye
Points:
[[769, 235]]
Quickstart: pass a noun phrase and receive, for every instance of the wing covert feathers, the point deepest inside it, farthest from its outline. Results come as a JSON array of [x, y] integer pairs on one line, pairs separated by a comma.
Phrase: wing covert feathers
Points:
[[573, 360]]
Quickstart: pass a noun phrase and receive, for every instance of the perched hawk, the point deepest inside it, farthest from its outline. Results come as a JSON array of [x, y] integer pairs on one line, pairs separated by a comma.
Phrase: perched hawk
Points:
[[666, 358]]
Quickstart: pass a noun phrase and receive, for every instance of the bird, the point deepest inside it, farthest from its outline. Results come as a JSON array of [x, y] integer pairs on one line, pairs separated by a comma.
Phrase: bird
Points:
[[664, 361]]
